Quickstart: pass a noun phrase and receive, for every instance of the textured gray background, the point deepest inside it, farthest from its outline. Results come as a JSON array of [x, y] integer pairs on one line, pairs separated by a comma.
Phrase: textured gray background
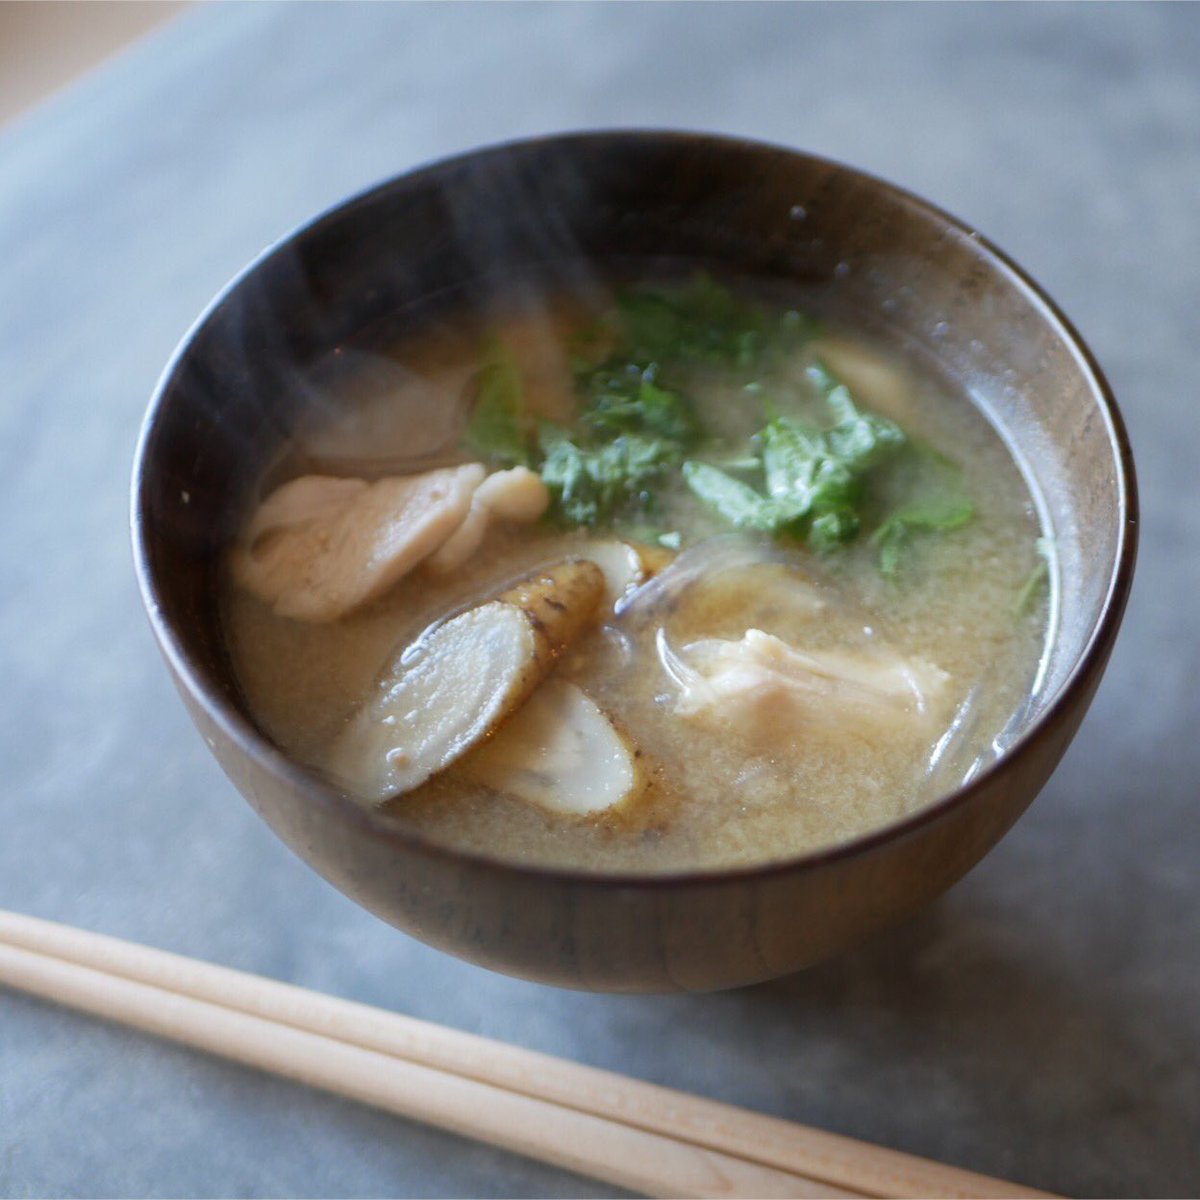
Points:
[[1042, 1022]]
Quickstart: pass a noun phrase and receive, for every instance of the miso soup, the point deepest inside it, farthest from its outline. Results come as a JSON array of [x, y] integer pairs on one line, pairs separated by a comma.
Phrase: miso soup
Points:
[[674, 578]]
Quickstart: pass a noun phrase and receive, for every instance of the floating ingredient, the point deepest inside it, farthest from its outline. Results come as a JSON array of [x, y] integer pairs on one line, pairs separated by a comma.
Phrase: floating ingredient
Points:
[[461, 678], [561, 752], [320, 547]]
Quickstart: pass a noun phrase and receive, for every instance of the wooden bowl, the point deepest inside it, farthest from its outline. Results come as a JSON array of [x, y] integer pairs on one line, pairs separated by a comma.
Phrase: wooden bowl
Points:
[[865, 252]]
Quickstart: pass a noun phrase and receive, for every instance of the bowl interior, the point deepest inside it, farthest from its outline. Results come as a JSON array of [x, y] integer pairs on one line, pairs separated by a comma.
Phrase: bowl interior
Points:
[[558, 210]]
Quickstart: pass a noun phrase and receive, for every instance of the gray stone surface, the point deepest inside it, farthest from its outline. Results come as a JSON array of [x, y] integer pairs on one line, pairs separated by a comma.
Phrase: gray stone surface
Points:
[[1042, 1022]]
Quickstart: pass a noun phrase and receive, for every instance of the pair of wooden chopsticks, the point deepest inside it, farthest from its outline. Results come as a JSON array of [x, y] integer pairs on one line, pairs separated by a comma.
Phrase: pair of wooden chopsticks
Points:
[[625, 1132]]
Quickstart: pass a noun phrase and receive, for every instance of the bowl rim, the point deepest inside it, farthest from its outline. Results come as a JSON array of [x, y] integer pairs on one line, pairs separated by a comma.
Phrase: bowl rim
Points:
[[315, 790]]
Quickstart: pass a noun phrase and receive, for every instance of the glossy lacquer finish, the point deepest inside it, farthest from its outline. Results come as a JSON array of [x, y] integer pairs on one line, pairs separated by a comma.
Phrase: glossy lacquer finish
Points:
[[560, 208]]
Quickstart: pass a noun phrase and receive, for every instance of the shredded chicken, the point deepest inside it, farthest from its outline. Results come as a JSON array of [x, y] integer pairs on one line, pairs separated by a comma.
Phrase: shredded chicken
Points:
[[319, 547], [762, 686], [516, 495]]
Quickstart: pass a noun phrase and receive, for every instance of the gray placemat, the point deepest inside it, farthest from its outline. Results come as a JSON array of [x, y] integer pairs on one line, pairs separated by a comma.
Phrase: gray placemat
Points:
[[1040, 1023]]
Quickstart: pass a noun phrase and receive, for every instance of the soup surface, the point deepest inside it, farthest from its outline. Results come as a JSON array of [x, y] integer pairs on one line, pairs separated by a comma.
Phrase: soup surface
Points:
[[822, 599]]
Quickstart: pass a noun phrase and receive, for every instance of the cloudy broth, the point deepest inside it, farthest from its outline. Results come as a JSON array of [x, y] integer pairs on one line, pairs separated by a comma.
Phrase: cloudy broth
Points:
[[963, 607]]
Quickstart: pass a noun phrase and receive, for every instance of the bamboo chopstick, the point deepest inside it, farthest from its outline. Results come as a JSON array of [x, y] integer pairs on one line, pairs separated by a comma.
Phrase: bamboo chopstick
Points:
[[624, 1131], [618, 1154]]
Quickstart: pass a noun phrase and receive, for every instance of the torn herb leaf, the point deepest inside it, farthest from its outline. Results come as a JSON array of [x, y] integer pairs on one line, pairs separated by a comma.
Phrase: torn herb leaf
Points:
[[626, 398], [938, 514], [1039, 578], [737, 502], [497, 429], [702, 322], [813, 478], [937, 501], [860, 437], [592, 483]]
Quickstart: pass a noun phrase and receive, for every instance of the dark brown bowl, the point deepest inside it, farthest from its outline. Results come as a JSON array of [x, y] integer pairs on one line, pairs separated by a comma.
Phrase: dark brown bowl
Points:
[[864, 252]]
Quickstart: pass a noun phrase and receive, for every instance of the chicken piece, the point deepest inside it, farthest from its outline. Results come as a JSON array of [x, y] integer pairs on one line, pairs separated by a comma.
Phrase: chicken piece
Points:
[[561, 752], [309, 498], [462, 543], [514, 495], [461, 678], [319, 547], [876, 381], [767, 689], [517, 495], [398, 418]]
